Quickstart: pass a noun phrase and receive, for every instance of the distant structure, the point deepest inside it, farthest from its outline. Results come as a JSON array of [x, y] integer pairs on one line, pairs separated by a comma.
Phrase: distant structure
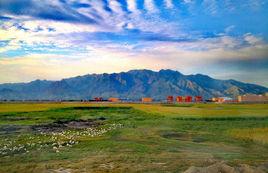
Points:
[[231, 101], [170, 99], [198, 99], [179, 99], [98, 99], [113, 99], [146, 100], [224, 100], [218, 99], [188, 99], [253, 98]]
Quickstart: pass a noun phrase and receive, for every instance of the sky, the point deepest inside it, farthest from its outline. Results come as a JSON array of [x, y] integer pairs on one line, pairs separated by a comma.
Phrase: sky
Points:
[[55, 39]]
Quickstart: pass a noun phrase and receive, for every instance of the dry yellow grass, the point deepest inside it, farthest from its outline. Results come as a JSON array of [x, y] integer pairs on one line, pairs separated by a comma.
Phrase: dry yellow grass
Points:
[[259, 135], [30, 107], [206, 110], [191, 110]]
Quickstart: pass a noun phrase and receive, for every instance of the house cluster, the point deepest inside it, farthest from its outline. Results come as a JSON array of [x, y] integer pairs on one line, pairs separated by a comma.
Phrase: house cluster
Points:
[[169, 99], [179, 99], [253, 98], [186, 99], [248, 98]]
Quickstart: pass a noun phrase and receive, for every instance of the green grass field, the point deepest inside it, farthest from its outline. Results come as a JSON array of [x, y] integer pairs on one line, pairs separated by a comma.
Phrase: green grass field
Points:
[[130, 137]]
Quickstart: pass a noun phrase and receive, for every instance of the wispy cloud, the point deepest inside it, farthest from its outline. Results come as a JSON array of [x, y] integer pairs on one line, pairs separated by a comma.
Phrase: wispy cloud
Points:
[[113, 57], [114, 35], [169, 4], [51, 10], [132, 6], [150, 6], [211, 6]]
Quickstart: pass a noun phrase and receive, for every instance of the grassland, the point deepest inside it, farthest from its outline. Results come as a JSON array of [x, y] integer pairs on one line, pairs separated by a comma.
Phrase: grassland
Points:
[[130, 137]]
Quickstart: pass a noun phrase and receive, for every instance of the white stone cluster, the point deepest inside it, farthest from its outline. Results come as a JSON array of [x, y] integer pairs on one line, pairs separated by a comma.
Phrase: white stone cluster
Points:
[[53, 140]]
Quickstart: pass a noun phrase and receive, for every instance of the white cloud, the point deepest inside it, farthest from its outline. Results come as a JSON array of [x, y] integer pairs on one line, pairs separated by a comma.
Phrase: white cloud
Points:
[[188, 1], [38, 32], [116, 7], [100, 58], [150, 6], [255, 4], [169, 4], [253, 40], [211, 6], [229, 29], [12, 45], [132, 6], [229, 5]]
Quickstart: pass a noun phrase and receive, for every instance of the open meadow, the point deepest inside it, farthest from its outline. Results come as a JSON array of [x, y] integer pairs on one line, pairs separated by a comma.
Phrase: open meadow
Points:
[[88, 137]]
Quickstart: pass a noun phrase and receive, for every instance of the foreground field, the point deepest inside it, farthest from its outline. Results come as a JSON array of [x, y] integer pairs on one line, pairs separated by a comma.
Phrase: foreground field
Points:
[[76, 137]]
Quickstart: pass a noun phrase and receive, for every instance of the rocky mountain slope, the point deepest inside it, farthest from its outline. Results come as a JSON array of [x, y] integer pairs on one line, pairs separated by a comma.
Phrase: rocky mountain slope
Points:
[[133, 84]]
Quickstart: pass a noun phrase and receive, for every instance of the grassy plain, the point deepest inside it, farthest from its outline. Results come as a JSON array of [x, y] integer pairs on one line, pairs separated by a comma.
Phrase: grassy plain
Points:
[[131, 137]]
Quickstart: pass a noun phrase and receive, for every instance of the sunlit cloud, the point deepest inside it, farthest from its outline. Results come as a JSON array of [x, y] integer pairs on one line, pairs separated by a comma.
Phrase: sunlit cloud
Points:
[[115, 58], [169, 4], [150, 6], [45, 39]]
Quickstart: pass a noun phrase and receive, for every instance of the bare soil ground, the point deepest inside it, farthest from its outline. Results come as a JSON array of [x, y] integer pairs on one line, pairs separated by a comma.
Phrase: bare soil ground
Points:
[[65, 125], [222, 167]]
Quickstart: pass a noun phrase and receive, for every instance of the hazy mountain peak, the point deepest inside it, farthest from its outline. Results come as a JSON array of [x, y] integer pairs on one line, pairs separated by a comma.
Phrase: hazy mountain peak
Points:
[[140, 71]]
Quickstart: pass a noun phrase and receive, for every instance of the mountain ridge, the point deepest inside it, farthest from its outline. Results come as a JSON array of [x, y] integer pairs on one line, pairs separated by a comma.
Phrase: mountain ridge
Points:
[[133, 84]]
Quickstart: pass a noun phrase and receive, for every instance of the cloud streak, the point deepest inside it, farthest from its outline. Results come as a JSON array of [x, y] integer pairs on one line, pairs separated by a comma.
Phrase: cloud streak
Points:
[[37, 37]]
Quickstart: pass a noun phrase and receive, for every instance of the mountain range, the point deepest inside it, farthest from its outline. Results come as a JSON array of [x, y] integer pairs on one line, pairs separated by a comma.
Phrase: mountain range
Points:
[[132, 85]]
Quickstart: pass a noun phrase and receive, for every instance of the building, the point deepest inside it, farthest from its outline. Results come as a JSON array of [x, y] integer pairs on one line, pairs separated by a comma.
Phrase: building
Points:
[[170, 99], [146, 100], [113, 99], [98, 99], [179, 99], [198, 99], [231, 101], [253, 98], [218, 99], [188, 99], [223, 100]]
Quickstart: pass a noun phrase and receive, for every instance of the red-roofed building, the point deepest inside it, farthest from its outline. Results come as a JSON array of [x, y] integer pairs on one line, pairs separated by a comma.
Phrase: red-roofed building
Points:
[[198, 99], [98, 99], [170, 99], [179, 99], [188, 99]]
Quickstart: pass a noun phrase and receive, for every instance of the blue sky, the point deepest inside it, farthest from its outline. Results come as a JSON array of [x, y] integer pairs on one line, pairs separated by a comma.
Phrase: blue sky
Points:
[[54, 39]]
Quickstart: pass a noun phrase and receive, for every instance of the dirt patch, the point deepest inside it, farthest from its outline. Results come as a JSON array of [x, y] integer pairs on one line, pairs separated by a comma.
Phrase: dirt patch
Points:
[[60, 170], [222, 167], [183, 137], [10, 129], [65, 125], [175, 135], [13, 118], [198, 139], [96, 108], [82, 124]]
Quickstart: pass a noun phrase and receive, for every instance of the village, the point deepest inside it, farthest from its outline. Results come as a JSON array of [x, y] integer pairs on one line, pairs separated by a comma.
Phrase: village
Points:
[[247, 98]]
